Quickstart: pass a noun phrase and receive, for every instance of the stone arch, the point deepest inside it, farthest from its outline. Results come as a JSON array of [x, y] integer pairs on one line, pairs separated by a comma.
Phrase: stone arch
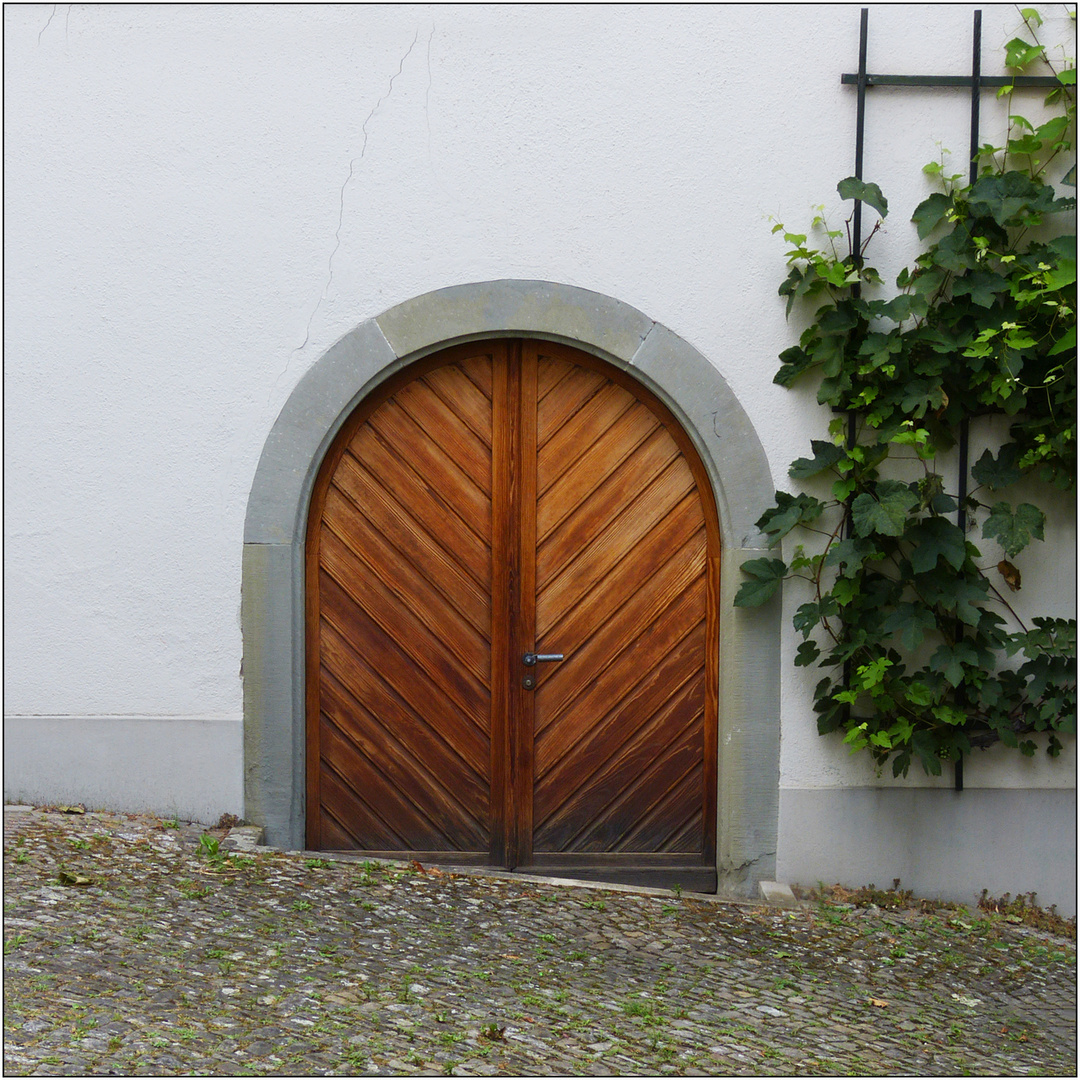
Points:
[[273, 561]]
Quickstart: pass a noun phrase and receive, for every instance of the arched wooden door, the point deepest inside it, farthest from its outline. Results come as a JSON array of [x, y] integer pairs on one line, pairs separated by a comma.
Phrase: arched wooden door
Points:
[[499, 499]]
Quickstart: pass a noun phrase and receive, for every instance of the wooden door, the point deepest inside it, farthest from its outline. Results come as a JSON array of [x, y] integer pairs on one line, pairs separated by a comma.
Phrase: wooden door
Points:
[[499, 499]]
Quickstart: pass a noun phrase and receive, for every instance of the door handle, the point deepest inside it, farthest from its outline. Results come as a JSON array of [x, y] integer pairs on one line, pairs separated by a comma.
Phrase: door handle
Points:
[[532, 658]]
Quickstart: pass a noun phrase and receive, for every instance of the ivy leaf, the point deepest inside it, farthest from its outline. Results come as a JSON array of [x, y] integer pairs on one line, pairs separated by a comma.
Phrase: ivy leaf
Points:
[[795, 361], [1014, 530], [790, 510], [854, 188], [982, 286], [936, 538], [826, 454], [766, 575], [911, 621], [886, 513], [1001, 471], [950, 660], [849, 555], [806, 654], [930, 213]]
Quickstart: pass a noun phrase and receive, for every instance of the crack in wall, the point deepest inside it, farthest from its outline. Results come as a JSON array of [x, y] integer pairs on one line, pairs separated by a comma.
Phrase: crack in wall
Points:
[[52, 15], [341, 201]]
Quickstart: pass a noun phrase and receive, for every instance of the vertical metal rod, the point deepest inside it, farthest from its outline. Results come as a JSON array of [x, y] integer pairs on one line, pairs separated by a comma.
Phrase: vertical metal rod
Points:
[[965, 428], [860, 127], [856, 244], [976, 94]]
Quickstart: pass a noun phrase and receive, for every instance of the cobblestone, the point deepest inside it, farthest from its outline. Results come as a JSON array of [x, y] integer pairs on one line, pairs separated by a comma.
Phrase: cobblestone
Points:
[[166, 958]]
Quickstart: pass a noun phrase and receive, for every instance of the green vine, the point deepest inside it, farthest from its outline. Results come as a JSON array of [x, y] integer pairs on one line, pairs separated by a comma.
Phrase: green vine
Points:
[[916, 633]]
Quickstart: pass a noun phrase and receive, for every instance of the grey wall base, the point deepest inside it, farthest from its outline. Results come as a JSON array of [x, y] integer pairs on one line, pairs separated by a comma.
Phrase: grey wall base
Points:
[[941, 844], [187, 767]]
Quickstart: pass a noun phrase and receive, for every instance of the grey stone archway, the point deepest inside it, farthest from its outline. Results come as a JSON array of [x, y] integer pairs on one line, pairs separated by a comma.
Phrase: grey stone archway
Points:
[[273, 566]]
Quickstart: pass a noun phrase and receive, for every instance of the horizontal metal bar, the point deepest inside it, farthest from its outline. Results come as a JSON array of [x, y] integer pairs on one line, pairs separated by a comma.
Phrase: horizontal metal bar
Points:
[[1045, 81]]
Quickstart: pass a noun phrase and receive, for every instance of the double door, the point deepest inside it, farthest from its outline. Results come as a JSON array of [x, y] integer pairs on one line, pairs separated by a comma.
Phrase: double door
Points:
[[512, 579]]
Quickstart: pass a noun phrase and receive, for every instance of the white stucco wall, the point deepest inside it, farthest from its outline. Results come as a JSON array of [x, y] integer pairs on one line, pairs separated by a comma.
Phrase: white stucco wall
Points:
[[200, 200]]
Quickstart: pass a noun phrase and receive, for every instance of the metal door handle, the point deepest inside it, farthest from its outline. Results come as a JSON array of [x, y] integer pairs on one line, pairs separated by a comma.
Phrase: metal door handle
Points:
[[532, 658]]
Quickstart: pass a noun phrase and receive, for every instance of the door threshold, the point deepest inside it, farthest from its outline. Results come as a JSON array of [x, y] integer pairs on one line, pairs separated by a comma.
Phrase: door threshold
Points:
[[674, 877]]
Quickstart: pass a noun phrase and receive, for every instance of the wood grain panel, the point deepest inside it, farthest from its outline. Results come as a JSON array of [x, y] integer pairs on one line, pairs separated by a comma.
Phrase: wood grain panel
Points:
[[497, 499], [374, 741], [566, 445], [401, 537], [604, 598], [563, 684], [598, 461], [347, 544], [428, 459], [591, 516], [419, 740], [455, 437], [429, 514], [573, 391], [614, 778], [559, 592]]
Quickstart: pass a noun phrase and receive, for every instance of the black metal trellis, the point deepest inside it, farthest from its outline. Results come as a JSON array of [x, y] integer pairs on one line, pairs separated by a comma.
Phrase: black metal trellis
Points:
[[977, 82]]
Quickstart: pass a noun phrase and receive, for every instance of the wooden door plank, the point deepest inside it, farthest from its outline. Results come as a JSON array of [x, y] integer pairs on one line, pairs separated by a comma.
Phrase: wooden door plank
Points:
[[607, 500], [586, 660], [418, 734], [503, 555], [421, 647], [600, 602], [666, 660], [395, 805], [560, 592], [551, 372], [449, 430], [523, 638], [364, 825], [644, 821], [598, 786], [555, 409], [461, 395], [365, 551], [377, 742], [577, 483], [413, 684], [404, 535], [470, 501], [420, 501], [567, 444], [674, 813]]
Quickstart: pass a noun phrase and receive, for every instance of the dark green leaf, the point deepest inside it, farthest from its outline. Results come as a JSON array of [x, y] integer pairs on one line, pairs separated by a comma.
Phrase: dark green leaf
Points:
[[911, 621], [826, 454], [806, 654], [790, 510], [999, 472], [854, 188], [795, 361], [936, 538], [885, 511], [930, 213], [950, 660], [766, 575], [982, 286], [1014, 530]]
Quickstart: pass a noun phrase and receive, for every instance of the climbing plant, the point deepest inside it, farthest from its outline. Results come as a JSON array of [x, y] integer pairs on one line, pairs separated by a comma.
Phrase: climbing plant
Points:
[[925, 656]]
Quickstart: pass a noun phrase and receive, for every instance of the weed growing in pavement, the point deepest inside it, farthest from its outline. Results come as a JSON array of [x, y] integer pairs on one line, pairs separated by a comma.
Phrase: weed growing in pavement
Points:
[[318, 864], [1025, 911], [14, 942]]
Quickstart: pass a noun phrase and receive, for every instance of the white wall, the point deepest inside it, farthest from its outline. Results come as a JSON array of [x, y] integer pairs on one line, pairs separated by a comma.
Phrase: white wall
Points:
[[200, 200]]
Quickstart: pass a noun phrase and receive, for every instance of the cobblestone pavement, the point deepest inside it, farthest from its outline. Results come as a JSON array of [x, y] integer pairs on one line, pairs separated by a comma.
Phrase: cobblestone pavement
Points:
[[129, 951]]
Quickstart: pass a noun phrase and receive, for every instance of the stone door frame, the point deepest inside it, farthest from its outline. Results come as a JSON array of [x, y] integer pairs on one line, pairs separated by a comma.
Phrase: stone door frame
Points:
[[273, 609]]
